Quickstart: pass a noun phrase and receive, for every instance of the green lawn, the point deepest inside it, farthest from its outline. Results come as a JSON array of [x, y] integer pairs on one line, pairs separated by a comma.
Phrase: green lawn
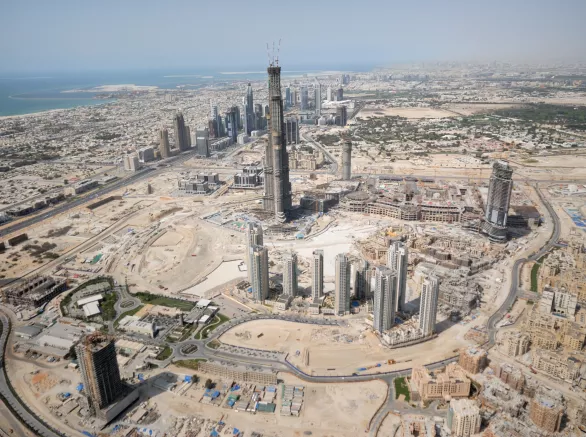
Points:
[[107, 306], [127, 313], [165, 301], [189, 364], [535, 273], [218, 320], [214, 344], [401, 388], [165, 353]]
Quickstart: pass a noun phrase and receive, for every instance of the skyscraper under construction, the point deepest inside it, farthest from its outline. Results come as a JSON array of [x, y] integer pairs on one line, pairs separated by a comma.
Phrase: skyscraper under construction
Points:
[[99, 369], [277, 195]]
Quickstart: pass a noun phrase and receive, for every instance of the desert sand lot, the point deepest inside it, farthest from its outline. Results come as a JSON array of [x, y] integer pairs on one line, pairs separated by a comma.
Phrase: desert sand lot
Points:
[[557, 161], [185, 250], [328, 409], [479, 108], [390, 425], [341, 350], [405, 112]]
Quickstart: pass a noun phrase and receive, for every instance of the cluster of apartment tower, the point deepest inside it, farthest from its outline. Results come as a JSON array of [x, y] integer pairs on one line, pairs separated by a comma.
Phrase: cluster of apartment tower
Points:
[[387, 284]]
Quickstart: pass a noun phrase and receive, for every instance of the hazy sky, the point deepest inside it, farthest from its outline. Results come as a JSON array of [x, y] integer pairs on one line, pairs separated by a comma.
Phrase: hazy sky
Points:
[[44, 35]]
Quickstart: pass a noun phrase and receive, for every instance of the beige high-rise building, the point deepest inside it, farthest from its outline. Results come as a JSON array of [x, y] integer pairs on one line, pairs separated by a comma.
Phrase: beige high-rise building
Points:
[[164, 148], [464, 418], [254, 237], [473, 360], [290, 274], [452, 383], [259, 265], [428, 304], [317, 275], [515, 343], [546, 413]]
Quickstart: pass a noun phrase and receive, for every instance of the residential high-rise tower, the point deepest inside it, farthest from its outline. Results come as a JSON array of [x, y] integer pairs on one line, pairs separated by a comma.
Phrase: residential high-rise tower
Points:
[[254, 237], [164, 148], [397, 259], [260, 273], [342, 291], [317, 275], [428, 304], [362, 280], [384, 299], [290, 274]]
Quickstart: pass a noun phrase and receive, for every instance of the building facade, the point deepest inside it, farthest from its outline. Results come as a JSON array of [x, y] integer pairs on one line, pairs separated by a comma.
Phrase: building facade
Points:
[[249, 122], [498, 201], [164, 148], [464, 418], [277, 198], [290, 274], [473, 360], [202, 142], [254, 237], [452, 383], [398, 260], [342, 290], [181, 135], [347, 161], [260, 273], [384, 299], [428, 305], [546, 413], [96, 355], [317, 275]]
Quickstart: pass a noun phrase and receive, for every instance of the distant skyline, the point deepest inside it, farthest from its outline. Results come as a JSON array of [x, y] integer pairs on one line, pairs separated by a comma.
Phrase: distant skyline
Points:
[[183, 35]]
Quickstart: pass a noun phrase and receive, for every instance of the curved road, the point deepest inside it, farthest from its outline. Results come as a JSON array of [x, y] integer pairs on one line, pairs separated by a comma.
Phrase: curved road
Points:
[[19, 409], [514, 290]]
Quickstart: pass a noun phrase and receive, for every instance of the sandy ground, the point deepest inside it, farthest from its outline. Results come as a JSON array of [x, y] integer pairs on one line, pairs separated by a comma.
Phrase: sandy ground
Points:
[[227, 271], [389, 425], [468, 109], [337, 239], [8, 422], [405, 112], [328, 410], [40, 390], [341, 350]]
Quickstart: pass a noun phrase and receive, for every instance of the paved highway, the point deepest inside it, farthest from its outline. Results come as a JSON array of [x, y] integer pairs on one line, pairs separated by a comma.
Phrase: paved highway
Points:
[[334, 164], [15, 403], [204, 352], [64, 207], [514, 290]]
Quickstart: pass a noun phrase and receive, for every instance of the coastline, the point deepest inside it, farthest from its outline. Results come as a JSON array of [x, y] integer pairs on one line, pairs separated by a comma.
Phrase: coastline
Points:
[[51, 111]]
